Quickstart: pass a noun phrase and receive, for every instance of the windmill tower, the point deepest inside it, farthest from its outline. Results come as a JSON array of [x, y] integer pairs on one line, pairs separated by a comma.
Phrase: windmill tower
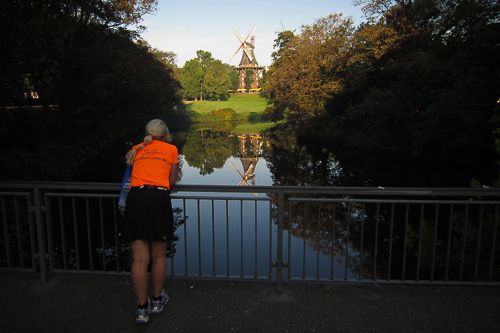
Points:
[[248, 61]]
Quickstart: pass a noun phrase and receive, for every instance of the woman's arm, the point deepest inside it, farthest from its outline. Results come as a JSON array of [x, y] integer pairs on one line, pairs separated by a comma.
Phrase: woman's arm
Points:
[[172, 177]]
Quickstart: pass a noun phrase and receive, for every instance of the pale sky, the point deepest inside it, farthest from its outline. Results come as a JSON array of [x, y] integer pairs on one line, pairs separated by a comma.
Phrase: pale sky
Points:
[[186, 26]]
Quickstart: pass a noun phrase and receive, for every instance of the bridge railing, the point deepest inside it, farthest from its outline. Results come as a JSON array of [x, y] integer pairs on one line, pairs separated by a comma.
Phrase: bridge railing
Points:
[[382, 235]]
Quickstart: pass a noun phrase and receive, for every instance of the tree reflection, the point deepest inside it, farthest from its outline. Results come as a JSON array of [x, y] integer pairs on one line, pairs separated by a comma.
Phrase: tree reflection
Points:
[[207, 150]]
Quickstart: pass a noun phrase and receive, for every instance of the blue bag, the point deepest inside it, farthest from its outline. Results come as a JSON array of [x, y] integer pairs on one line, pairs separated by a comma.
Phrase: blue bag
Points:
[[127, 179]]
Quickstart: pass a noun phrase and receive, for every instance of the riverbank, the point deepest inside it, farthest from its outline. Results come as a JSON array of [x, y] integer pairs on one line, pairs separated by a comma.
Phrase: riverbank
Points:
[[240, 103], [105, 303]]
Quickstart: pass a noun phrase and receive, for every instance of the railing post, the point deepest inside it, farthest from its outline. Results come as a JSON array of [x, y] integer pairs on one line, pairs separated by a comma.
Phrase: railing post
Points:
[[279, 275], [40, 230]]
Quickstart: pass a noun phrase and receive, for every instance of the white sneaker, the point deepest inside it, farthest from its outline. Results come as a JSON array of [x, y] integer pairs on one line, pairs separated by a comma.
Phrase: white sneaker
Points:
[[159, 305], [142, 316]]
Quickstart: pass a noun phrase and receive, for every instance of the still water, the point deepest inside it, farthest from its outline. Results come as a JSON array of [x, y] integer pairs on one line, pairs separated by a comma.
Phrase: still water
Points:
[[231, 237]]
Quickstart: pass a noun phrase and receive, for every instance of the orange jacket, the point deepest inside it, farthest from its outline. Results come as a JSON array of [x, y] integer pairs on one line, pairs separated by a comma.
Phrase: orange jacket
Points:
[[152, 164]]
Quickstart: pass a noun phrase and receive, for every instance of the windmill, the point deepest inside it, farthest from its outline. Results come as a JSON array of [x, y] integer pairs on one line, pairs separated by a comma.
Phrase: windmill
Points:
[[243, 177], [247, 47]]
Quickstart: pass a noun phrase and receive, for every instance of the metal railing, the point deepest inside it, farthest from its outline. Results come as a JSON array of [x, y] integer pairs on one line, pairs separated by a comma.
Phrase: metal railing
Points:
[[391, 235]]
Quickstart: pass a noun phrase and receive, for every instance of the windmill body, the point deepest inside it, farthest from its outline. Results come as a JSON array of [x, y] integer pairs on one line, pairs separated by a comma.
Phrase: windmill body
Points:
[[248, 61]]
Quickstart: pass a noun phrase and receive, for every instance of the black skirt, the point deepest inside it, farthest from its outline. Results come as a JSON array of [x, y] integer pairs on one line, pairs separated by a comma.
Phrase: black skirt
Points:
[[148, 216]]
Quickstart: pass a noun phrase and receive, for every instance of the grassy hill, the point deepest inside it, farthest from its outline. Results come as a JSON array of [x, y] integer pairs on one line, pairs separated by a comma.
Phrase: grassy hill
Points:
[[239, 103]]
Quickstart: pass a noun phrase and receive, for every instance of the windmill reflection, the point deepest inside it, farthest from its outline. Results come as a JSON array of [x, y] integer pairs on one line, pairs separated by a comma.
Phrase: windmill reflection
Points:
[[249, 153]]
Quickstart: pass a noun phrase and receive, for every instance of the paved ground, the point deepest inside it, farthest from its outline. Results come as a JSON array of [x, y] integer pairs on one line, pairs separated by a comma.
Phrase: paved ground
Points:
[[105, 303]]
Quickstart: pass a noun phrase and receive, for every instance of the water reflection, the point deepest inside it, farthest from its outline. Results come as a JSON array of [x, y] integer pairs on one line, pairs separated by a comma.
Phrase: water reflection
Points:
[[274, 159]]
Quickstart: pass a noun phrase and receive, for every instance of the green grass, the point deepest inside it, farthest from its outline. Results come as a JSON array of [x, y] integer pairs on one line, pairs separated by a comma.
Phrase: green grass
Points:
[[239, 103], [252, 128]]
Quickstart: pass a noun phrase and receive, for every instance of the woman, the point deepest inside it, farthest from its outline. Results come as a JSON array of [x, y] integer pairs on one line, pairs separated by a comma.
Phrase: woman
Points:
[[148, 220]]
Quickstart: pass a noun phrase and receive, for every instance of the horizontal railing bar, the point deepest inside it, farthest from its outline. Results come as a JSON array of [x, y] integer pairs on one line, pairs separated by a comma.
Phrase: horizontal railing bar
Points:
[[413, 201], [82, 195], [177, 197], [445, 191], [94, 195], [397, 282], [19, 194]]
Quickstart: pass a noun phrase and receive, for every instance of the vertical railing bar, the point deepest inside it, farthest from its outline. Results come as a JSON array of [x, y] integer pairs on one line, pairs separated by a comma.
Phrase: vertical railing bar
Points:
[[420, 235], [318, 241], [170, 246], [89, 234], [464, 242], [213, 238], [361, 242], [185, 237], [50, 239], [448, 250], [289, 260], [478, 244], [241, 238], [103, 242], [492, 255], [279, 279], [115, 223], [32, 232], [304, 226], [199, 237], [270, 273], [346, 265], [63, 234], [433, 263], [332, 263], [376, 243], [6, 232], [75, 231], [18, 227], [256, 243], [172, 257], [390, 243], [40, 234], [407, 216], [227, 238]]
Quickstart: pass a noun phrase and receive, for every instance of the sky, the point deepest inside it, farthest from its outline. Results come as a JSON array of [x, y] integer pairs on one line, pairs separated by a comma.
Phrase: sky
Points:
[[186, 26]]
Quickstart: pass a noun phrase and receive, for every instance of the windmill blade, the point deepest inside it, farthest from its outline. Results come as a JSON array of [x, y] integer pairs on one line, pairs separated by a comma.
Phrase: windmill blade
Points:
[[236, 170], [243, 41], [247, 53], [239, 36], [242, 177], [236, 52], [251, 32]]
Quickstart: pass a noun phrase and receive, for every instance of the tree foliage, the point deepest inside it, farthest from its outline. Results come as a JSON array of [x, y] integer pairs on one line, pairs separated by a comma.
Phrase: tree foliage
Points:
[[191, 78], [416, 82], [217, 81], [96, 83], [302, 76], [209, 77], [249, 77]]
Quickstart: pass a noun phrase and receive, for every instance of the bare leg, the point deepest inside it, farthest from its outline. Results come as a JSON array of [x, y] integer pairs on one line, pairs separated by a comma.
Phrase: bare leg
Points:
[[139, 271], [158, 267]]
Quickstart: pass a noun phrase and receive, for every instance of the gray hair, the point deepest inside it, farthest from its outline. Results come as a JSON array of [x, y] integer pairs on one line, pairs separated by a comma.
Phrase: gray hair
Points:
[[155, 129]]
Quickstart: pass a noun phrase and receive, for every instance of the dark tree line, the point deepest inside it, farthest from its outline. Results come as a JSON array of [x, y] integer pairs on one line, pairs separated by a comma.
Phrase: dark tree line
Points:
[[417, 83], [95, 81]]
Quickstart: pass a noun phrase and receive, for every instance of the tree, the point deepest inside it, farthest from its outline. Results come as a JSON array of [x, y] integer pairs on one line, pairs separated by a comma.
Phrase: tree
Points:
[[217, 81], [303, 74], [249, 73], [191, 78], [206, 61], [94, 81], [235, 77], [419, 86]]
